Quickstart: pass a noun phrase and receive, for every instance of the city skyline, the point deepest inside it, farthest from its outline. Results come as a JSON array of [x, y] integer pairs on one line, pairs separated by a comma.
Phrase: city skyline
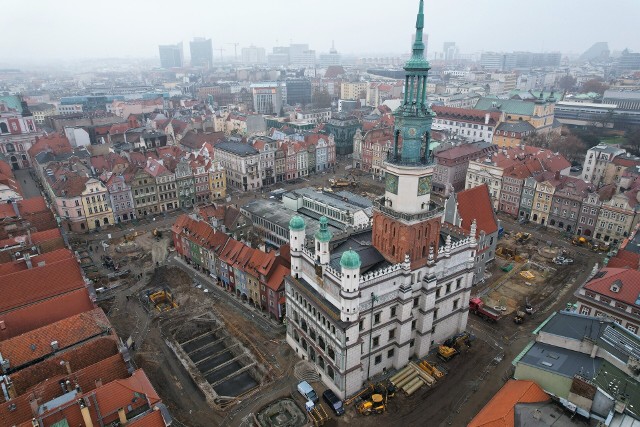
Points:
[[60, 40]]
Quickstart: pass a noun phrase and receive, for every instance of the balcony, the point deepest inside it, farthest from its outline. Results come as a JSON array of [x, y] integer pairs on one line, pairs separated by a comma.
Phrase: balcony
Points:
[[397, 160], [434, 210]]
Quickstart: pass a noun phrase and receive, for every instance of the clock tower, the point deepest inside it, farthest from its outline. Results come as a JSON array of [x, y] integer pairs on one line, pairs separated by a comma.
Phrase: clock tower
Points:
[[405, 220]]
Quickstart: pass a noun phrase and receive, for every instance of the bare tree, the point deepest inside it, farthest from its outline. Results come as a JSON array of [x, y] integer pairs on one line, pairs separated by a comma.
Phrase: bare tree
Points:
[[594, 85], [567, 82]]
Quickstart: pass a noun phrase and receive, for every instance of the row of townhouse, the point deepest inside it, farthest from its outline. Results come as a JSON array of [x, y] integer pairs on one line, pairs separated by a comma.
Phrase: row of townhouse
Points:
[[264, 161], [250, 274], [532, 184], [89, 192]]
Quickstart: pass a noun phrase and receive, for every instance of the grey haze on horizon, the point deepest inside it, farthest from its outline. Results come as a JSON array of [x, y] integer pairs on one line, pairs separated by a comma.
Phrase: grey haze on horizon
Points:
[[73, 29]]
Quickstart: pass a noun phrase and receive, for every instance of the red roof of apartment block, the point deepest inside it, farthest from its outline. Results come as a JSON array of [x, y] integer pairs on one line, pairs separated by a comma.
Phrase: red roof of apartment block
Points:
[[500, 411], [475, 203], [35, 344]]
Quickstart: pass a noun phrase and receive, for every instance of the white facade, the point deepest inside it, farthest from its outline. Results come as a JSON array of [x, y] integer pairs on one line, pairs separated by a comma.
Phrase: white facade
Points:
[[333, 321], [596, 160], [485, 172]]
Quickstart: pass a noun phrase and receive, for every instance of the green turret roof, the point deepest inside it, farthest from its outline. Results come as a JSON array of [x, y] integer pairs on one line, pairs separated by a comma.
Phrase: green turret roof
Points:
[[297, 223], [323, 235], [417, 60], [350, 259]]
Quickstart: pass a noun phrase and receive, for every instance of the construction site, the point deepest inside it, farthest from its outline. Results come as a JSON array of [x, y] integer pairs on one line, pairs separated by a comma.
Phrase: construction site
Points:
[[525, 274]]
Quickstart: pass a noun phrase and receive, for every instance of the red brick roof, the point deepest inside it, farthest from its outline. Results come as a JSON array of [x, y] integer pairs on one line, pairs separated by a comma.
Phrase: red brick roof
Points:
[[55, 143], [106, 370], [627, 282], [25, 207], [118, 394], [276, 278], [42, 313], [78, 358], [499, 412], [21, 265], [44, 236], [35, 344], [38, 283], [475, 203], [152, 419], [625, 259]]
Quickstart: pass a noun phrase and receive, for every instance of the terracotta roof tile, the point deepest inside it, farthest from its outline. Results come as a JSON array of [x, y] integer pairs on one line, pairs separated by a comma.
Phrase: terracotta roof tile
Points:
[[44, 312], [475, 203], [500, 412], [276, 278], [35, 344], [118, 394], [627, 281], [26, 287], [107, 370], [152, 419], [78, 358], [47, 258]]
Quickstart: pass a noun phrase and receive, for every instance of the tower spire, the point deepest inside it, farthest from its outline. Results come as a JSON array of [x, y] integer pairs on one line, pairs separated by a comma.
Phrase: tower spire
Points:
[[418, 45]]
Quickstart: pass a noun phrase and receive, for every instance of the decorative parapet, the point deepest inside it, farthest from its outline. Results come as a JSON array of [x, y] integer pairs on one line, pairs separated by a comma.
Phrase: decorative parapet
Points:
[[431, 213], [377, 275]]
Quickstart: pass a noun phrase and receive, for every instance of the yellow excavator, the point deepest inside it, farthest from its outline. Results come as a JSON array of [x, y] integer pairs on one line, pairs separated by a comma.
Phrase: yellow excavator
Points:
[[376, 405]]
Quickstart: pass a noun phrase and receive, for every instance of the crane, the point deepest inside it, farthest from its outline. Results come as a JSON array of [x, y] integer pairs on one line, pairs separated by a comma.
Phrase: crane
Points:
[[221, 49], [235, 49]]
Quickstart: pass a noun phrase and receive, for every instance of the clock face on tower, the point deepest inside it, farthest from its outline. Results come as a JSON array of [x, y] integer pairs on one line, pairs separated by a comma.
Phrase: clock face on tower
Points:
[[391, 183], [412, 132], [424, 185]]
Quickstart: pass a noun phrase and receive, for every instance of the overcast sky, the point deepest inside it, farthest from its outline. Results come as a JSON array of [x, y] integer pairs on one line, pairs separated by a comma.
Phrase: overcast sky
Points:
[[50, 29]]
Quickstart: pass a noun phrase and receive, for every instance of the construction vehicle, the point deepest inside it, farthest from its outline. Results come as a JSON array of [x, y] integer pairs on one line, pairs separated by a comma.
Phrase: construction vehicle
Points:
[[581, 241], [342, 182], [364, 391], [519, 317], [162, 300], [376, 405], [477, 307], [601, 247], [522, 237], [447, 353]]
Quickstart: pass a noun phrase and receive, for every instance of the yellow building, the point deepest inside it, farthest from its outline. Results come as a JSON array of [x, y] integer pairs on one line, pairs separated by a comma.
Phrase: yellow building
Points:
[[354, 91], [523, 114], [217, 181], [542, 199], [509, 134], [96, 204]]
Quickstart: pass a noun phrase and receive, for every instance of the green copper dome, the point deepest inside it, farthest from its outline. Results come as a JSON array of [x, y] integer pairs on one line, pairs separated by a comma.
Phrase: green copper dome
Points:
[[323, 235], [297, 223], [350, 259]]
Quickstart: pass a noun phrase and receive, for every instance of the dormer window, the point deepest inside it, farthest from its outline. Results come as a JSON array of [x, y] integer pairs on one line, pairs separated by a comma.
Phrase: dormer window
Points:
[[616, 286]]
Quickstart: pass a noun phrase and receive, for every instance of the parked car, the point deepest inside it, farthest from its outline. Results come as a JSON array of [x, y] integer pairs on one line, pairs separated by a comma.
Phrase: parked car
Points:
[[334, 403], [575, 168], [307, 391]]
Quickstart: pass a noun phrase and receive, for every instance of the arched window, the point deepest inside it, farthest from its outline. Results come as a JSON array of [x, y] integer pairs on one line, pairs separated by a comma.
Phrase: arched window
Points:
[[9, 146]]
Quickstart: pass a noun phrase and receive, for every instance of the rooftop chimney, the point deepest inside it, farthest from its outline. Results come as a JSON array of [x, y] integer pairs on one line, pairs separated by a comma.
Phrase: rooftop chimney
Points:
[[27, 260], [15, 208]]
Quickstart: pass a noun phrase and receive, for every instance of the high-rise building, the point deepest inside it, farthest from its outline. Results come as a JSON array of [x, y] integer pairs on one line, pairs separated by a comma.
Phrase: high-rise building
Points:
[[171, 55], [279, 57], [374, 300], [201, 52], [269, 97], [331, 58], [494, 61], [449, 51], [253, 55], [628, 61], [597, 51], [298, 91]]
